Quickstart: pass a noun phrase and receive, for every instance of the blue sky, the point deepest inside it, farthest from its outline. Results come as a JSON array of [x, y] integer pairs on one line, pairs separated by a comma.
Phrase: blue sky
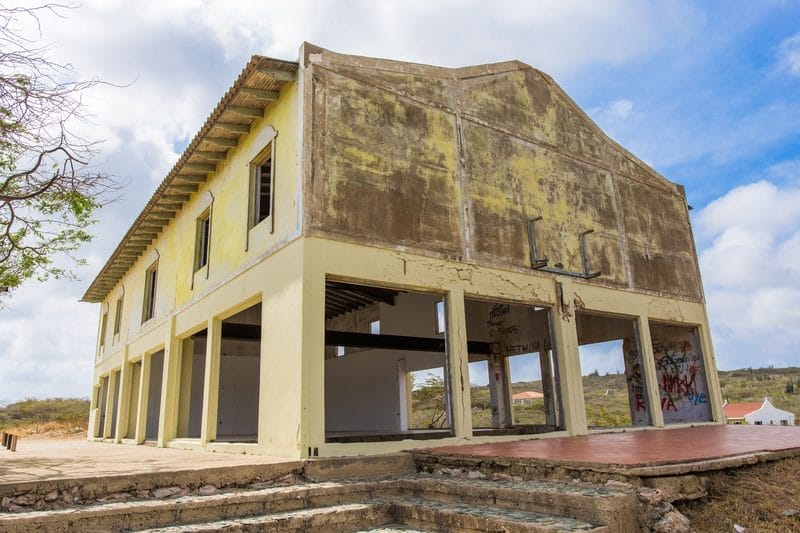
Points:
[[708, 93]]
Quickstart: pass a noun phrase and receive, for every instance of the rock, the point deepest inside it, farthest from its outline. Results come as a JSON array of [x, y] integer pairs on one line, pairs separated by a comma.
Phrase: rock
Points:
[[51, 496], [118, 496], [16, 509], [449, 472], [23, 500], [476, 474], [651, 496], [165, 492], [206, 490], [5, 502], [672, 522], [614, 484], [142, 494], [790, 512], [260, 485]]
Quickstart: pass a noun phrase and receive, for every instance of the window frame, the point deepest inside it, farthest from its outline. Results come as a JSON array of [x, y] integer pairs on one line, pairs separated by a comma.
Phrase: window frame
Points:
[[202, 241], [267, 154], [103, 328], [118, 315], [150, 287]]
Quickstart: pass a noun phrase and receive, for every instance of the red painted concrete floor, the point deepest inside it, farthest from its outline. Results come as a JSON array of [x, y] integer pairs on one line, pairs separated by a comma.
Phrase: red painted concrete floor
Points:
[[640, 448]]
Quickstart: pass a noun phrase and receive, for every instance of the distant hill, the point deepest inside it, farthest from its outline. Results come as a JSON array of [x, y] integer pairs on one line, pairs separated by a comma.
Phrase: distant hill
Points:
[[607, 397]]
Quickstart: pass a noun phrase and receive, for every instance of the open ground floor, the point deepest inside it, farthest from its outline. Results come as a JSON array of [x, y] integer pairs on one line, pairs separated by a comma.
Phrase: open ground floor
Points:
[[325, 348]]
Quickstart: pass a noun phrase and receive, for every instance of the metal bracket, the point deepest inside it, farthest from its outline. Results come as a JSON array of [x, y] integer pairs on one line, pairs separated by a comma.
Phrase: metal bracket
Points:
[[540, 263]]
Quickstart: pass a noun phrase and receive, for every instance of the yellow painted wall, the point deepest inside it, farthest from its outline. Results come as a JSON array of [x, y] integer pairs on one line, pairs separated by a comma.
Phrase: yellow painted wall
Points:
[[177, 283]]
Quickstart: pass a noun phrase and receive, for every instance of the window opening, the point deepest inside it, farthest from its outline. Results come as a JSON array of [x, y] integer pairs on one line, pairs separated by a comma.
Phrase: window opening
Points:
[[103, 326], [202, 242], [262, 185], [118, 316], [614, 386], [513, 371], [150, 279], [386, 374]]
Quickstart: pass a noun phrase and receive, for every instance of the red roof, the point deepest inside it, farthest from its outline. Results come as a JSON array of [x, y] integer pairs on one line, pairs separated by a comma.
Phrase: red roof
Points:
[[527, 395], [738, 410]]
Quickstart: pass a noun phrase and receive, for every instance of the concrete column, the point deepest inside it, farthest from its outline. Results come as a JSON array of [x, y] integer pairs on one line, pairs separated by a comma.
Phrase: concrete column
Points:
[[124, 397], [170, 387], [650, 374], [712, 377], [458, 361], [112, 389], [565, 340], [144, 383], [498, 391], [309, 368], [548, 389], [208, 428]]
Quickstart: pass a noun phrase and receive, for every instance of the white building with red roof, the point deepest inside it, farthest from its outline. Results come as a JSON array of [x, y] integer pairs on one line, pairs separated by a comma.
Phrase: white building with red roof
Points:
[[757, 413]]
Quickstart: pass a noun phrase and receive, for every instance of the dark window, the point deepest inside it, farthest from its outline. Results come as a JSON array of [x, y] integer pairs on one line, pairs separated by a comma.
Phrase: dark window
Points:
[[202, 244], [103, 325], [149, 292], [262, 185], [118, 316]]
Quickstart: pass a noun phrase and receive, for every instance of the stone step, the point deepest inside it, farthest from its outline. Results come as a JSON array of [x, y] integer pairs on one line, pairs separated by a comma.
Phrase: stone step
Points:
[[417, 513], [143, 514], [575, 503], [462, 517], [334, 518], [598, 504]]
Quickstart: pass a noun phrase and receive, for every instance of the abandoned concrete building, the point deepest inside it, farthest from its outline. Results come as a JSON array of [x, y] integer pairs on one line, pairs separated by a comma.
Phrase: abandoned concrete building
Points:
[[344, 232]]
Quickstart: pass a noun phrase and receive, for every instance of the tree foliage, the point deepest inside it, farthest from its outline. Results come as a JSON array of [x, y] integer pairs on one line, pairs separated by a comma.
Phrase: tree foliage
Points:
[[49, 193]]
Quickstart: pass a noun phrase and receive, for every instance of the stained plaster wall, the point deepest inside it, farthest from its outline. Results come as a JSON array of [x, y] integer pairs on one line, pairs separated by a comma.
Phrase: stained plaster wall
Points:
[[452, 162]]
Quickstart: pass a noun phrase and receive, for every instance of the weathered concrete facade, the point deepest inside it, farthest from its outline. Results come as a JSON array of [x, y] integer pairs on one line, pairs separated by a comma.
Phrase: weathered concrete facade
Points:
[[343, 224]]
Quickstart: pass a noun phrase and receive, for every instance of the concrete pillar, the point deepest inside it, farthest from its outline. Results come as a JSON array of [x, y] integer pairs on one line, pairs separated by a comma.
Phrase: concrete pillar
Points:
[[144, 383], [208, 428], [108, 431], [551, 410], [498, 390], [712, 377], [569, 364], [124, 397], [308, 326], [458, 361], [650, 374], [170, 386]]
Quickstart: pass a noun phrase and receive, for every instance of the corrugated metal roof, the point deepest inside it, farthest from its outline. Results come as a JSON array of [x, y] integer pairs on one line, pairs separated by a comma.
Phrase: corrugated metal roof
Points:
[[244, 103]]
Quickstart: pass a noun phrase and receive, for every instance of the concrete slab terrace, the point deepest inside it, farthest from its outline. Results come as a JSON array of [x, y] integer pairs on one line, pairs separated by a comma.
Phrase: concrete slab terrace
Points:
[[41, 460], [640, 449]]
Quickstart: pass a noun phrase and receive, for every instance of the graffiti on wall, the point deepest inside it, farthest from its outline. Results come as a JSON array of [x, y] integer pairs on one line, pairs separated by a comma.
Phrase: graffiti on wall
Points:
[[634, 375], [681, 374]]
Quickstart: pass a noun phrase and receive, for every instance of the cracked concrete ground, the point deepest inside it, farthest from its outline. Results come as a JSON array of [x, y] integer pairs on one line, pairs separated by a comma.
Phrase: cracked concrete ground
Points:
[[39, 460]]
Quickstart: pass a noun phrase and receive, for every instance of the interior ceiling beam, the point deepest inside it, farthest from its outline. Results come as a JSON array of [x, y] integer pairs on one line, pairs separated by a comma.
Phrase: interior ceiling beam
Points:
[[225, 142], [233, 127], [282, 75], [397, 342], [254, 112], [261, 94]]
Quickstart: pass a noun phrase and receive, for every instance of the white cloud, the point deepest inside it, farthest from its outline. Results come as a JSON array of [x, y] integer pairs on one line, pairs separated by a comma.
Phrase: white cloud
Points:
[[751, 270], [789, 54]]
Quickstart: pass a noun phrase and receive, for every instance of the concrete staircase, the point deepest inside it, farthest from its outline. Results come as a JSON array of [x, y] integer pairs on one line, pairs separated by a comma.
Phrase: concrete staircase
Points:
[[408, 503]]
